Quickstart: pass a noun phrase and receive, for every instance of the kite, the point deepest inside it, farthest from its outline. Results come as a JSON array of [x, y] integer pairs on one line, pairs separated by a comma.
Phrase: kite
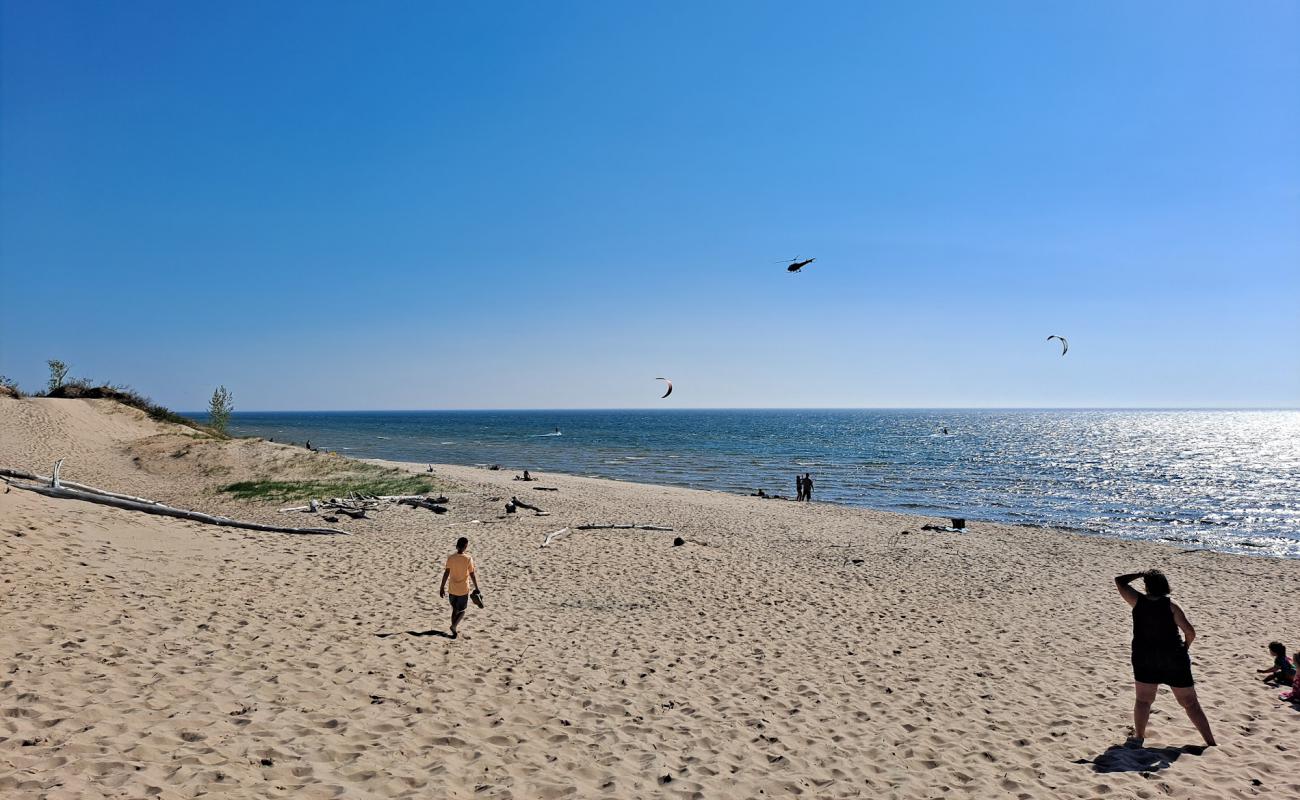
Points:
[[670, 387], [1065, 346]]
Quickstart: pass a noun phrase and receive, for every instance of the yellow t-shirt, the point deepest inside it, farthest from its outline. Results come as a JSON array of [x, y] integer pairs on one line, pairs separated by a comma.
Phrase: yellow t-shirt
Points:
[[461, 566]]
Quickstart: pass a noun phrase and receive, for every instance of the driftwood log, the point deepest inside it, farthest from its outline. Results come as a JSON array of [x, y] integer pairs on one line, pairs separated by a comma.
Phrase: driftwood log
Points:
[[522, 504], [65, 492], [621, 527], [550, 537], [420, 502]]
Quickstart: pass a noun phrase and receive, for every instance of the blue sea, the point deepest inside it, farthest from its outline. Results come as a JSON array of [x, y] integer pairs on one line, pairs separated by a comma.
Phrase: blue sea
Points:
[[1222, 480]]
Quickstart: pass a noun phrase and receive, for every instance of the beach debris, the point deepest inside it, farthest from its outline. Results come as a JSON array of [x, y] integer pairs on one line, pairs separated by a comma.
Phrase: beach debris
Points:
[[670, 387], [796, 265], [612, 526], [1065, 346], [419, 502], [521, 504], [678, 542], [947, 528], [66, 490], [550, 537], [545, 489]]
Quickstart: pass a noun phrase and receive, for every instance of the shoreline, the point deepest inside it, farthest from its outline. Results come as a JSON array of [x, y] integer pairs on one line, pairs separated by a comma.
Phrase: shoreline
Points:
[[1090, 533]]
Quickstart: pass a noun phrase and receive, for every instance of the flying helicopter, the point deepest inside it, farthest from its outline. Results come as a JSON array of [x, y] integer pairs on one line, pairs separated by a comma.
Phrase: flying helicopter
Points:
[[795, 264]]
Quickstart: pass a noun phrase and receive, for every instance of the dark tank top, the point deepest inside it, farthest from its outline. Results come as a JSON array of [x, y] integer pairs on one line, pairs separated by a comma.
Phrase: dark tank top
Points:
[[1153, 625]]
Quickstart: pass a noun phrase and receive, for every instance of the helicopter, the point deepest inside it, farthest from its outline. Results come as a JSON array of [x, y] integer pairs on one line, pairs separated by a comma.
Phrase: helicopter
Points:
[[796, 265]]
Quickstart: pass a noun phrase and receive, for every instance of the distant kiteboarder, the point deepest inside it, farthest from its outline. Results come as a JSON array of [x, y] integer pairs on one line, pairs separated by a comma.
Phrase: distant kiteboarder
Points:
[[1065, 346], [796, 265], [670, 387]]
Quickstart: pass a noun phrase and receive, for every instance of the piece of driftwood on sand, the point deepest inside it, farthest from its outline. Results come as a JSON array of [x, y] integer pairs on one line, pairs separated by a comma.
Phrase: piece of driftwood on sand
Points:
[[550, 537], [66, 490], [621, 527], [420, 502]]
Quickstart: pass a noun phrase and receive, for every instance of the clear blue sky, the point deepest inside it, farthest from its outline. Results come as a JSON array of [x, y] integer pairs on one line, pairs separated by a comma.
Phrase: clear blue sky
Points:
[[459, 205]]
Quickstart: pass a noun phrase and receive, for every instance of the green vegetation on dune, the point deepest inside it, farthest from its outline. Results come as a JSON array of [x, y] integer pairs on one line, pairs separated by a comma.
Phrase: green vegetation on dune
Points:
[[341, 486]]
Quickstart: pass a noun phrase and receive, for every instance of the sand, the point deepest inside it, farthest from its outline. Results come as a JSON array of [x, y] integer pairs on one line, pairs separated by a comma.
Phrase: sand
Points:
[[786, 650]]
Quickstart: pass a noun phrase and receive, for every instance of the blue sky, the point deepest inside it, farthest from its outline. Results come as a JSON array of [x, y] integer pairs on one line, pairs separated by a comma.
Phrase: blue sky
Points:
[[479, 205]]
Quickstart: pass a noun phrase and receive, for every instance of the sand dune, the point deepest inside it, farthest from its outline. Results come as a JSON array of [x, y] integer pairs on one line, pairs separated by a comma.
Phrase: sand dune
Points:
[[786, 650]]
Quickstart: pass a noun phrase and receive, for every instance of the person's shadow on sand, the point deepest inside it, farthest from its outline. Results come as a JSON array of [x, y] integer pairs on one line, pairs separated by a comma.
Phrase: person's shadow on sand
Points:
[[1125, 758], [443, 634]]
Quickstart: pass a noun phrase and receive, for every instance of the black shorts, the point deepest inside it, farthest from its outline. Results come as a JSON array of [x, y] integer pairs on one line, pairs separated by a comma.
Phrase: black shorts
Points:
[[1172, 667], [459, 602]]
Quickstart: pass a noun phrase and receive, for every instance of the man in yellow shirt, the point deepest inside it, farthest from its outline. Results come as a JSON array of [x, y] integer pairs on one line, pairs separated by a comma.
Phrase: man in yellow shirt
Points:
[[460, 572]]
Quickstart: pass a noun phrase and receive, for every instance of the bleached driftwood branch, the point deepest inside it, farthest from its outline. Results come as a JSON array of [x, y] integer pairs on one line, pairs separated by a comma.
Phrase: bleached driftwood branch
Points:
[[66, 490], [63, 492], [30, 476], [550, 537], [621, 527]]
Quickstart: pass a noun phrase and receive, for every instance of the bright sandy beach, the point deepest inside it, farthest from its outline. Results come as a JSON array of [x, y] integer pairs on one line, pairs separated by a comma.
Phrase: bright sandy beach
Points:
[[785, 650]]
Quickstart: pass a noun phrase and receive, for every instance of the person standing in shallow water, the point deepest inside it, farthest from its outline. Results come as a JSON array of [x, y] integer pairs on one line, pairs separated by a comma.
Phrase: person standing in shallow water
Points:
[[456, 578], [807, 486], [1159, 655], [798, 486]]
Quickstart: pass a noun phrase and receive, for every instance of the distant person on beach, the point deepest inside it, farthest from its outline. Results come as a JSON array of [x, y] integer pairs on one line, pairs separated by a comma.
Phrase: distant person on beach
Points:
[[1158, 654], [807, 487], [456, 579], [1283, 671], [798, 487]]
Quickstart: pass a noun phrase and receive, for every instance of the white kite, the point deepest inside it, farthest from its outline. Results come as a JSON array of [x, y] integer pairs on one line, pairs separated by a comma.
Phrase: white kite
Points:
[[670, 387]]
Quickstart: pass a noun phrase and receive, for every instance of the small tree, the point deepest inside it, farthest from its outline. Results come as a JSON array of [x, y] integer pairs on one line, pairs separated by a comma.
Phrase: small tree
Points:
[[58, 373], [220, 408]]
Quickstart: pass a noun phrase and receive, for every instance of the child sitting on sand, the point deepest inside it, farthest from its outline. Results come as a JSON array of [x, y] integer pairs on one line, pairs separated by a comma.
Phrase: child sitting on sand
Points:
[[1282, 671]]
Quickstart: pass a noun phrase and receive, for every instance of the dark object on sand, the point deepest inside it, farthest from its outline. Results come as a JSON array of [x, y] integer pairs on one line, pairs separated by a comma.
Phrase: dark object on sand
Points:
[[331, 519], [545, 489], [355, 513], [495, 467], [958, 526], [510, 507], [432, 505], [522, 504], [678, 542]]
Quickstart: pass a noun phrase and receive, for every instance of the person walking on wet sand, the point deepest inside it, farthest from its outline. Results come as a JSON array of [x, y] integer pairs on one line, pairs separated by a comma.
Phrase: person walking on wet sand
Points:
[[1159, 655], [807, 487], [456, 578]]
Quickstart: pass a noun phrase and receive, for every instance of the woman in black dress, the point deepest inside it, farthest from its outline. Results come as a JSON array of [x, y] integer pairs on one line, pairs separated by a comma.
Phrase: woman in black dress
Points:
[[1159, 654]]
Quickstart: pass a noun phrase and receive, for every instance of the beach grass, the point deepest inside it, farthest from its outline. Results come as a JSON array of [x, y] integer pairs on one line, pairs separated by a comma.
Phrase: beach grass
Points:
[[341, 486]]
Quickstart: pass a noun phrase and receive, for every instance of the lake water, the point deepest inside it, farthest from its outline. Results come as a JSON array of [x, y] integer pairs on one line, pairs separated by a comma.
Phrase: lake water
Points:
[[1226, 480]]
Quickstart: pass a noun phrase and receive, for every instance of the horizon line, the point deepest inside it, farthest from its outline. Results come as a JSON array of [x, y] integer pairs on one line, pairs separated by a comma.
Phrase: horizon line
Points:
[[756, 408]]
